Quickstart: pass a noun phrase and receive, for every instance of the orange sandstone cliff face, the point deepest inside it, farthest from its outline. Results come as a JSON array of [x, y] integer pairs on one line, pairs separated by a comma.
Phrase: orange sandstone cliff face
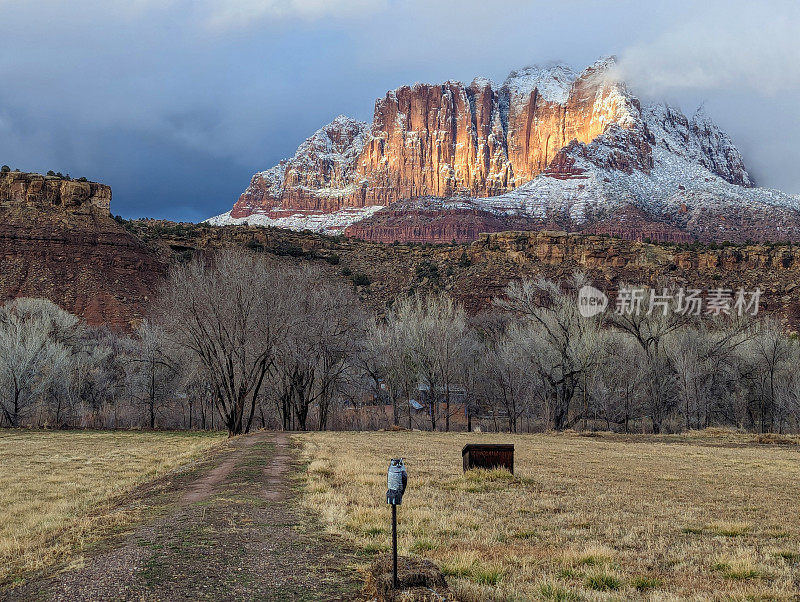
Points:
[[445, 139]]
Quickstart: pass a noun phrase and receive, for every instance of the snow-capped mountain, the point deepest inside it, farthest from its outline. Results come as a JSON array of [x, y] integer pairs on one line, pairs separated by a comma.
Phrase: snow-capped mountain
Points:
[[547, 148]]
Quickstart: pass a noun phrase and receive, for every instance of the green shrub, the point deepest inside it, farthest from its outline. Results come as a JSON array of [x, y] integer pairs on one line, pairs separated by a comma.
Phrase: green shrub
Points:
[[361, 279], [427, 269]]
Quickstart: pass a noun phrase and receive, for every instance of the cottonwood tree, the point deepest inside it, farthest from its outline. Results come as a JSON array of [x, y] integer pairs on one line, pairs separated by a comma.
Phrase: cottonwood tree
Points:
[[706, 360], [623, 379], [198, 395], [381, 365], [107, 388], [769, 352], [155, 371], [68, 395], [33, 347], [567, 343], [61, 326], [324, 334], [393, 359], [508, 383], [788, 391], [229, 311], [431, 335], [649, 322]]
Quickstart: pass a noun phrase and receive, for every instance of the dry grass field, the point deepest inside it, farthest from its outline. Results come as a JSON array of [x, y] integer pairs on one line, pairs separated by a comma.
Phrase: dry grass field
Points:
[[58, 489], [709, 515]]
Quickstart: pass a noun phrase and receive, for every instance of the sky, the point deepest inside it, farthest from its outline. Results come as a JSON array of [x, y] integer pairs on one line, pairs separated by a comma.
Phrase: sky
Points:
[[176, 103]]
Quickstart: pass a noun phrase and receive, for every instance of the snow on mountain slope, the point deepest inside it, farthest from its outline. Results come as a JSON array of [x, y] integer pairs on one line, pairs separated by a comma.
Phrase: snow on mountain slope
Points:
[[552, 81], [319, 171], [678, 186], [698, 140]]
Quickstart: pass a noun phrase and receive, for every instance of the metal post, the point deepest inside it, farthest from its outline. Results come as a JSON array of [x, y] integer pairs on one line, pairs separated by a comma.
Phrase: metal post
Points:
[[395, 582], [396, 481]]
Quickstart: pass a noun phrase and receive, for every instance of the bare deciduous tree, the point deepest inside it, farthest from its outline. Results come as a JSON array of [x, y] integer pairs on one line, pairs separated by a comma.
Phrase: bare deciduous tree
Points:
[[229, 311], [432, 340], [568, 342], [155, 371], [324, 335]]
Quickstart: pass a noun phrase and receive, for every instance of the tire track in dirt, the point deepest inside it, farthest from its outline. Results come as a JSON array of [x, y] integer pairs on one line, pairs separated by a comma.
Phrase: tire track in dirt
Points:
[[204, 487], [275, 472]]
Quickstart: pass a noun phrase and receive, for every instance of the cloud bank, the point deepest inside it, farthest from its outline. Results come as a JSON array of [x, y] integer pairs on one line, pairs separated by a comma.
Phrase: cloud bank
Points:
[[726, 46]]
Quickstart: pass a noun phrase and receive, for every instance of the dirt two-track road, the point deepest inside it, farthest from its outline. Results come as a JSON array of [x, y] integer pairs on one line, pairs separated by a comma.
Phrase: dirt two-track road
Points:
[[229, 528]]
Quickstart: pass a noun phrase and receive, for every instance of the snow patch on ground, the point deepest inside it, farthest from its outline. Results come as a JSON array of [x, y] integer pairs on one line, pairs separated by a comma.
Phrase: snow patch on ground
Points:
[[314, 221]]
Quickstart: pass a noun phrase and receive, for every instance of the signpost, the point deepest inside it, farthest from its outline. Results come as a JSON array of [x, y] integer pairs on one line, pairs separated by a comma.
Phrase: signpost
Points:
[[396, 486]]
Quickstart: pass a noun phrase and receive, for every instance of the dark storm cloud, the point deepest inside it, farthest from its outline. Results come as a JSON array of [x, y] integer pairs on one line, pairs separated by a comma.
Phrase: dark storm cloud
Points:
[[176, 103]]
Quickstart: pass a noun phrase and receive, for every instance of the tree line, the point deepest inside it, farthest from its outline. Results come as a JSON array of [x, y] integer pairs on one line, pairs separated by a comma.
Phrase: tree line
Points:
[[239, 341]]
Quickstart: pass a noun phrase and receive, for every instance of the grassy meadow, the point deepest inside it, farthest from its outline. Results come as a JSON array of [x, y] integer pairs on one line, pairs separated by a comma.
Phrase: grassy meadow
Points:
[[709, 515], [58, 489]]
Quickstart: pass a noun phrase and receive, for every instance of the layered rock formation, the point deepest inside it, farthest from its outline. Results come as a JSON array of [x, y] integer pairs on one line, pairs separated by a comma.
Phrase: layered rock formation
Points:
[[429, 219], [59, 241], [464, 220], [19, 189], [104, 271], [547, 148], [661, 177]]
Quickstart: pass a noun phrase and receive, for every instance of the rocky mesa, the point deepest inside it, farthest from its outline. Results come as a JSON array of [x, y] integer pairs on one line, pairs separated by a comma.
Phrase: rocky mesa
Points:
[[59, 241], [443, 140], [35, 191]]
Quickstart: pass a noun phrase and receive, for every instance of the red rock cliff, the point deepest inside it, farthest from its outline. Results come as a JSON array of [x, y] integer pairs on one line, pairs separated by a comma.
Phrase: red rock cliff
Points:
[[446, 139], [19, 189], [59, 241]]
